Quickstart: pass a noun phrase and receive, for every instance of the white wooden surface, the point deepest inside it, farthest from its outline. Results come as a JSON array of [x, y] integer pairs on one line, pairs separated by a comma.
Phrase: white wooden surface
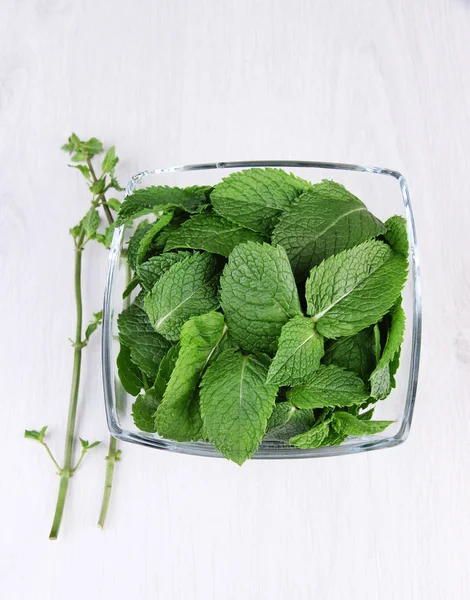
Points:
[[370, 81]]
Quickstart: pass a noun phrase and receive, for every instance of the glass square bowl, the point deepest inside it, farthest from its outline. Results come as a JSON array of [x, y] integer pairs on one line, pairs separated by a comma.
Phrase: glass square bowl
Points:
[[385, 193]]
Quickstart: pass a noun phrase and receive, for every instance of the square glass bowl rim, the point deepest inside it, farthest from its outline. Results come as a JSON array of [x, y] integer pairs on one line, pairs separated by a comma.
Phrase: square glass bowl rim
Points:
[[267, 450]]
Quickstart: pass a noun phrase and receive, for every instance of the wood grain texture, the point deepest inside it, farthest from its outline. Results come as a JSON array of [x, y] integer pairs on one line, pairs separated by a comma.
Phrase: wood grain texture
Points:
[[170, 82]]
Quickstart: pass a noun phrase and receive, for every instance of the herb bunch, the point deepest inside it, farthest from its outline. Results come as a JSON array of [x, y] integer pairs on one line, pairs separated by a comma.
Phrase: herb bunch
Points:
[[82, 155], [265, 307]]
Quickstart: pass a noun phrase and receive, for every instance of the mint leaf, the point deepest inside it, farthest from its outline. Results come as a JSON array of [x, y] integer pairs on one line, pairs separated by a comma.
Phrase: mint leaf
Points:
[[133, 283], [333, 438], [133, 247], [32, 434], [187, 289], [114, 204], [147, 347], [150, 271], [143, 410], [92, 147], [150, 234], [85, 171], [313, 438], [236, 403], [329, 386], [90, 223], [299, 353], [393, 366], [98, 186], [178, 417], [397, 235], [346, 424], [107, 238], [93, 326], [207, 231], [110, 160], [326, 220], [354, 353], [258, 295], [355, 288], [286, 421], [165, 370], [129, 373], [86, 445], [381, 377], [153, 199], [256, 198], [145, 405]]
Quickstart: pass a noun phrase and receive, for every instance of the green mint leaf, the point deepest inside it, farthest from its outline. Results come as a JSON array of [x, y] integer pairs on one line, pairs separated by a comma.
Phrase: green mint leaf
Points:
[[110, 160], [133, 283], [256, 198], [333, 438], [129, 373], [150, 271], [178, 416], [93, 326], [329, 386], [355, 288], [258, 295], [135, 331], [207, 231], [187, 289], [92, 147], [354, 353], [78, 157], [143, 410], [114, 204], [86, 445], [115, 184], [326, 220], [165, 370], [299, 353], [90, 223], [85, 171], [381, 377], [286, 421], [236, 403], [98, 186], [153, 199], [366, 416], [107, 238], [313, 438], [32, 434], [150, 234], [393, 366], [397, 235], [346, 424], [76, 231], [133, 247]]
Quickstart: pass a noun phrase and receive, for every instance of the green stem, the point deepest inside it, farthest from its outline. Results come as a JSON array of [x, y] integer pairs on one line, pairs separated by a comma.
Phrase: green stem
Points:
[[113, 452], [113, 456], [65, 472], [48, 450], [79, 461], [101, 197]]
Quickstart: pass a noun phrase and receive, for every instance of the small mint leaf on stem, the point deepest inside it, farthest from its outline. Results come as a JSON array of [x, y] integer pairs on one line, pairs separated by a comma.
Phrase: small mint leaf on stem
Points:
[[98, 186], [114, 204], [38, 436], [32, 434], [110, 160]]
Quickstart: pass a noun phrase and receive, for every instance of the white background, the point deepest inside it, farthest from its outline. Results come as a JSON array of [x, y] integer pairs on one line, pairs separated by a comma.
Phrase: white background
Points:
[[170, 82]]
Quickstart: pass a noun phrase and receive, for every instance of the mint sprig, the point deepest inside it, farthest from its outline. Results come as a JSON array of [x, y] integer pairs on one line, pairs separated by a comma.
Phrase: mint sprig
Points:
[[83, 154]]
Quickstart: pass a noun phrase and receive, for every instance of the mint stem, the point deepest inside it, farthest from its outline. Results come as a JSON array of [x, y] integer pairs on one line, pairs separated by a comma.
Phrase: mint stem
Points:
[[113, 452], [65, 472], [113, 456]]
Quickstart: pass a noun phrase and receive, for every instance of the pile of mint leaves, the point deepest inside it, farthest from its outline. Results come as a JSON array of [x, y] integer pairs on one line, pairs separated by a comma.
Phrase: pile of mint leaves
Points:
[[265, 308]]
